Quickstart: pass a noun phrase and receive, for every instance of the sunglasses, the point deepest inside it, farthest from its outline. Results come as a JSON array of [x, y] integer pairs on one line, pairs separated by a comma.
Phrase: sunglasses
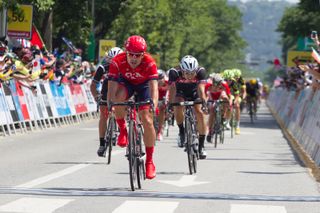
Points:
[[136, 55], [216, 83]]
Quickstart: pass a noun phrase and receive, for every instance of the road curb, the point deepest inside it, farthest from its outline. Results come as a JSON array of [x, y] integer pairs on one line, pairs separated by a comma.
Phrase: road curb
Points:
[[298, 149]]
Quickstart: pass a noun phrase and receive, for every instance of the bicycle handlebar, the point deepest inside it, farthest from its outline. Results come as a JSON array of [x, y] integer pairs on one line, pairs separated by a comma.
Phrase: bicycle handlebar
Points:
[[186, 103]]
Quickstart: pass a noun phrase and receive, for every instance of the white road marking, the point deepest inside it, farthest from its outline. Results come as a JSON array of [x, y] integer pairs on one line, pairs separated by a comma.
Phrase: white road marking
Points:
[[89, 129], [52, 176], [186, 180], [34, 205], [147, 207], [59, 174], [242, 208], [247, 133]]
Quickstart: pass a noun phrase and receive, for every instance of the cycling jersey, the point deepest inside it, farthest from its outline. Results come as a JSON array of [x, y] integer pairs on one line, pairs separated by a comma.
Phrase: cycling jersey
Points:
[[215, 92], [119, 67], [185, 88], [163, 89], [236, 85], [252, 89]]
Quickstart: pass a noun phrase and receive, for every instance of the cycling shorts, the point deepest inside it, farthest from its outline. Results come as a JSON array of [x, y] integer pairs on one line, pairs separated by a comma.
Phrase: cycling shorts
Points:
[[141, 91], [190, 94]]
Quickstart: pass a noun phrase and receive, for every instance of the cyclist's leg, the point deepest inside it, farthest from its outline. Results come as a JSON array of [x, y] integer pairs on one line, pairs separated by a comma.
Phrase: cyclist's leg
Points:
[[103, 120], [228, 114], [202, 128], [149, 136], [124, 91], [179, 116], [237, 109], [210, 122], [162, 115]]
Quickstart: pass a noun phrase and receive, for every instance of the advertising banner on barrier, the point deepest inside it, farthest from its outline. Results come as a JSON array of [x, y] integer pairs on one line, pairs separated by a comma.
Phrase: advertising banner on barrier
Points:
[[32, 104], [79, 99], [12, 106], [40, 102], [48, 99], [92, 106], [59, 99], [19, 101], [69, 98], [5, 116]]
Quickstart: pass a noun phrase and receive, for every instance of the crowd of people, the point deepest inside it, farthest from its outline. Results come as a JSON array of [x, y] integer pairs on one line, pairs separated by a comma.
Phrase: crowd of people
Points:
[[29, 64], [302, 75]]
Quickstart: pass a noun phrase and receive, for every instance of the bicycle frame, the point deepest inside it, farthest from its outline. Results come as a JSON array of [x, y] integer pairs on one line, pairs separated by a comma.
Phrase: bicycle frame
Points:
[[134, 151]]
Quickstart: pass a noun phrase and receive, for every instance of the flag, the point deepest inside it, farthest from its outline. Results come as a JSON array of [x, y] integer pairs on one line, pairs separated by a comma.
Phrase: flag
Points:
[[36, 38], [315, 55], [69, 44]]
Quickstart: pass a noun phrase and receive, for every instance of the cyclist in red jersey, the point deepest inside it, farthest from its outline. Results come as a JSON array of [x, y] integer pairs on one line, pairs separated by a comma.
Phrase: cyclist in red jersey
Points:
[[217, 89], [135, 71], [163, 87]]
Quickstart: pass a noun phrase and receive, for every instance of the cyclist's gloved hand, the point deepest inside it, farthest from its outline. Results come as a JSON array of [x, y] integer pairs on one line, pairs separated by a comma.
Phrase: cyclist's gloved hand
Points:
[[170, 109], [152, 107], [204, 107], [109, 105], [97, 98]]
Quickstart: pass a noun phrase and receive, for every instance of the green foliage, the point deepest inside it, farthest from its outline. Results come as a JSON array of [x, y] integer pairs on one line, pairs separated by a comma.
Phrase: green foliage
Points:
[[208, 30], [299, 21]]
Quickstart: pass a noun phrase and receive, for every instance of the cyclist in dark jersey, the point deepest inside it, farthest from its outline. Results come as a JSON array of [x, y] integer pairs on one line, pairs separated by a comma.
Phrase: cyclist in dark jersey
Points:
[[187, 83], [101, 74]]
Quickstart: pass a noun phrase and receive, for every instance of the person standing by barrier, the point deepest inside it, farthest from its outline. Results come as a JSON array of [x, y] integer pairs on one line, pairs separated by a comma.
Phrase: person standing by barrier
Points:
[[102, 72]]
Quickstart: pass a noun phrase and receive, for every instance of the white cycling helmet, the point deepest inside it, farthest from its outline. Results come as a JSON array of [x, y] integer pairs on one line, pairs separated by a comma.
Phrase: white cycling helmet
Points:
[[161, 74], [216, 77], [189, 63], [114, 51]]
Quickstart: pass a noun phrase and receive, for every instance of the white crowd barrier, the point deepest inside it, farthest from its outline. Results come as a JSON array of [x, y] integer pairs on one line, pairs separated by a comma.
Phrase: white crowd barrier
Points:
[[51, 106], [300, 115]]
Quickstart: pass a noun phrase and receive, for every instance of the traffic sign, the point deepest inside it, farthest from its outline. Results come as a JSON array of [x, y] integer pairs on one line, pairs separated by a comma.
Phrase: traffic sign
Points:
[[298, 56], [105, 46], [20, 25]]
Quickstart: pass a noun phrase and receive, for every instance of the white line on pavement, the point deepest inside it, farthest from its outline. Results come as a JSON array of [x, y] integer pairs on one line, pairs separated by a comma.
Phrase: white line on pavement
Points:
[[147, 207], [59, 174], [242, 208], [52, 176], [34, 205]]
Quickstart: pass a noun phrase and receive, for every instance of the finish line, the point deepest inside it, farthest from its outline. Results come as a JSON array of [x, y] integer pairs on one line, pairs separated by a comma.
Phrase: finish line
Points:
[[150, 194]]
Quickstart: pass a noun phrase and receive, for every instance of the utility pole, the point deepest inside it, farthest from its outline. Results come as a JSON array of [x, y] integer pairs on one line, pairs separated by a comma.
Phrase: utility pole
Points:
[[92, 43], [3, 22]]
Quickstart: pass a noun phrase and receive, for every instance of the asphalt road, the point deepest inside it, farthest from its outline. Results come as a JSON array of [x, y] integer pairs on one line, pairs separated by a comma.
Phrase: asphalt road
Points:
[[57, 170]]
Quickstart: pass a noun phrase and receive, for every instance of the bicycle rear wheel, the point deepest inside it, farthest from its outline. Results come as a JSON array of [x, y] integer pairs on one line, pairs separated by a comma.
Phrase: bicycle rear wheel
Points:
[[132, 156]]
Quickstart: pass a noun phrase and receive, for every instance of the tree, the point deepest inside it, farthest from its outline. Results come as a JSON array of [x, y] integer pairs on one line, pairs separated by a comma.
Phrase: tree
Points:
[[299, 21], [208, 30]]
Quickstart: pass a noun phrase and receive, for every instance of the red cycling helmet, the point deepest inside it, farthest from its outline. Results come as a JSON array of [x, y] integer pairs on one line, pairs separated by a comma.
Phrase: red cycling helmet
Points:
[[136, 44]]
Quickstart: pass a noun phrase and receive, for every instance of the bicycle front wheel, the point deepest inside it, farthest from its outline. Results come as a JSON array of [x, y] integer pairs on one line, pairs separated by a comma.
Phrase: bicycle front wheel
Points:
[[110, 136], [132, 156], [190, 152]]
